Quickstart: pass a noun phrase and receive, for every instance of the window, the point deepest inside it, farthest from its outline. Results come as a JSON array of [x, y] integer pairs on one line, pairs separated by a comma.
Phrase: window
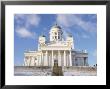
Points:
[[55, 33], [76, 62], [58, 37], [35, 58]]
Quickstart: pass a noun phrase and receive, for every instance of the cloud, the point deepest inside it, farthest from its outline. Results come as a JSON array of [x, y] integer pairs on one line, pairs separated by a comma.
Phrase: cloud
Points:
[[27, 20], [24, 33], [19, 16], [32, 20], [24, 24], [63, 20], [85, 36], [67, 20], [85, 25]]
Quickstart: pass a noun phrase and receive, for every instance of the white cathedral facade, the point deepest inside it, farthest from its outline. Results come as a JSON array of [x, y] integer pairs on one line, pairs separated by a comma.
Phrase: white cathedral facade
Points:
[[56, 50]]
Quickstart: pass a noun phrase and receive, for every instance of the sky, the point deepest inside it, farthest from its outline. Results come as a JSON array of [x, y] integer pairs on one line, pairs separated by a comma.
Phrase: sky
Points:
[[28, 27]]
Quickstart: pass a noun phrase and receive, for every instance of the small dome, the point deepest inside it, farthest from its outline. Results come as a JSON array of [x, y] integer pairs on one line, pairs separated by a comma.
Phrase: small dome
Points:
[[69, 35], [42, 36]]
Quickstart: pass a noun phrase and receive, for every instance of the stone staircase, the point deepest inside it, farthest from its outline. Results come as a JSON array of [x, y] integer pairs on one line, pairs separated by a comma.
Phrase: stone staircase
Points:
[[57, 70]]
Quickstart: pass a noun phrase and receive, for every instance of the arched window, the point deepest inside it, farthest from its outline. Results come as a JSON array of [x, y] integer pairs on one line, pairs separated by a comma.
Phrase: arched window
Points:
[[55, 33]]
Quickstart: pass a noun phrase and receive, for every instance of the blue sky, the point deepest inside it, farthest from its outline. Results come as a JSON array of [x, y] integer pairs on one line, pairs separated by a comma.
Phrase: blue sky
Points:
[[28, 27]]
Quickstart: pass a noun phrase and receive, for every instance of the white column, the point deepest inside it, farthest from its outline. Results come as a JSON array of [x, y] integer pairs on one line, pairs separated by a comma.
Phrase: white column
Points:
[[25, 61], [30, 61], [46, 60], [42, 59], [49, 59], [70, 59], [38, 60], [59, 58], [64, 58], [52, 59]]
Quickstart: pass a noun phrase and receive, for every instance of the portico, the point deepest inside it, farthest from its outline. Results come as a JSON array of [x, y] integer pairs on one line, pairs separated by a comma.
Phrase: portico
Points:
[[63, 57]]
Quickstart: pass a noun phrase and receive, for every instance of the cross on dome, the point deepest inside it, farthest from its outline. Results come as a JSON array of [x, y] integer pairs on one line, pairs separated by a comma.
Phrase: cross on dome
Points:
[[56, 26]]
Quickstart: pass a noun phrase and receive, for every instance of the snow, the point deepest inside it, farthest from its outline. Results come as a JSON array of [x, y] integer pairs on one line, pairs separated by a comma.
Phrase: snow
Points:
[[79, 74], [26, 71], [32, 72]]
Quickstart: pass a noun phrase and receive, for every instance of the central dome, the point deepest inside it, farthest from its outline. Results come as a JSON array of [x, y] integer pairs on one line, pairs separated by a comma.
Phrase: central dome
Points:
[[56, 33], [56, 28]]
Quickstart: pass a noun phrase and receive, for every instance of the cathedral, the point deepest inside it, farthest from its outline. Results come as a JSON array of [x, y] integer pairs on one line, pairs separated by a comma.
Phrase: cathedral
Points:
[[57, 49]]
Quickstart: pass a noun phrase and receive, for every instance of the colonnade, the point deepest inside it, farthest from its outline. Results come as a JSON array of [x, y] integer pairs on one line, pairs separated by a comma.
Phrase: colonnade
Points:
[[63, 57], [47, 57]]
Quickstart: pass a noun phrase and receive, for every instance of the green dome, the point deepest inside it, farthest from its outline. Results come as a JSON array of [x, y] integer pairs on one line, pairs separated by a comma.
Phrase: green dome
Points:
[[69, 35], [56, 26]]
